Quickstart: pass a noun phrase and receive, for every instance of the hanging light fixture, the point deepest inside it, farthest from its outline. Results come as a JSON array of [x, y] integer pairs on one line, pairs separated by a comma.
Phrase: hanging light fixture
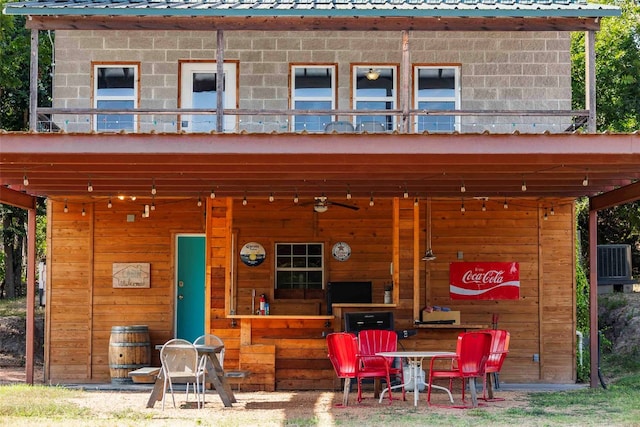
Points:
[[462, 208], [89, 187], [271, 198], [406, 193], [213, 194], [244, 200], [415, 202], [585, 181], [25, 180], [66, 208], [546, 217], [484, 206], [109, 204], [153, 188], [463, 189], [295, 198], [552, 212], [84, 213], [372, 74], [428, 256], [199, 201], [371, 200], [524, 185], [348, 193], [505, 205]]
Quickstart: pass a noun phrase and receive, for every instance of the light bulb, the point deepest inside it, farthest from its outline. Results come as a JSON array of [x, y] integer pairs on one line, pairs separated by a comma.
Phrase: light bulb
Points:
[[153, 206], [552, 212], [462, 208], [213, 194], [415, 202], [25, 180], [199, 202], [463, 188], [121, 197], [109, 204], [348, 194], [505, 205], [244, 201], [271, 198], [66, 208], [371, 201], [484, 206], [545, 214], [405, 194], [524, 186], [89, 187], [133, 198], [84, 213], [295, 198], [585, 181], [153, 189]]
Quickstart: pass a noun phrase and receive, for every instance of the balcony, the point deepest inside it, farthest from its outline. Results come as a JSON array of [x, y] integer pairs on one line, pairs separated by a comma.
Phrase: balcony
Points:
[[247, 121]]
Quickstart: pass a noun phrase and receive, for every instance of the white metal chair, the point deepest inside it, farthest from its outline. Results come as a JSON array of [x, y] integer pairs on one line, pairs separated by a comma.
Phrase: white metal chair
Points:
[[211, 340], [339, 126], [181, 365], [371, 127]]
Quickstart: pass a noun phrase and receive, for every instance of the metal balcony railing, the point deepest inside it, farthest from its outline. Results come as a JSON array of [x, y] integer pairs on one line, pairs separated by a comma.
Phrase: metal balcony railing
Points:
[[414, 121]]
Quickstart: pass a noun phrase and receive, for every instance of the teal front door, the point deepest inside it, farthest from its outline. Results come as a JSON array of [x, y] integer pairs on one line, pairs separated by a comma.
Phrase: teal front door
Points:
[[190, 286]]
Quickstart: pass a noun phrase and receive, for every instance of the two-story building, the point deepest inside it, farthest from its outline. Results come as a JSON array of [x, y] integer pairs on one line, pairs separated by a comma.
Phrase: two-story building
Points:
[[294, 149]]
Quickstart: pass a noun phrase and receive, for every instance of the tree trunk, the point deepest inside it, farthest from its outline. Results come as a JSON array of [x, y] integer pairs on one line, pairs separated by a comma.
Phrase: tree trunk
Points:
[[13, 240]]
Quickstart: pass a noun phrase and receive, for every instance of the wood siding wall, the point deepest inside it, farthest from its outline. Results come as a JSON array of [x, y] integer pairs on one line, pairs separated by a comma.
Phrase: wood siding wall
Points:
[[84, 306]]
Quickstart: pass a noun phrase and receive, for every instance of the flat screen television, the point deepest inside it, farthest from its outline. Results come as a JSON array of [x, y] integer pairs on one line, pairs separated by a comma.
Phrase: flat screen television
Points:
[[348, 292]]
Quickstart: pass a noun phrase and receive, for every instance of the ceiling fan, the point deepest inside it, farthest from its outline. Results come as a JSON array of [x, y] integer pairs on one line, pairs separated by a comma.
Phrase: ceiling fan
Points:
[[322, 203]]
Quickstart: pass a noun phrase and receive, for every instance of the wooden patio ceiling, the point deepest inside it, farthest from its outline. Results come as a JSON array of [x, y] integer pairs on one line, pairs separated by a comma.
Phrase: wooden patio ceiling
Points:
[[378, 165]]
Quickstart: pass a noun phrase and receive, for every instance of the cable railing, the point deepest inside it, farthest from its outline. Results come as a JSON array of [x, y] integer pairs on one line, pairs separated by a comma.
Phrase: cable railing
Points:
[[414, 121]]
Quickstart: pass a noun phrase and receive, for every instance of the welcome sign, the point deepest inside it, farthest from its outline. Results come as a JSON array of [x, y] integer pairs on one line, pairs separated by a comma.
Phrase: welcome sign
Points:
[[484, 280]]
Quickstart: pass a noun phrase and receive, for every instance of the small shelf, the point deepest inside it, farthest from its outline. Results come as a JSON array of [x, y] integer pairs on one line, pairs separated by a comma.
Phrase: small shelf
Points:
[[362, 305], [279, 316]]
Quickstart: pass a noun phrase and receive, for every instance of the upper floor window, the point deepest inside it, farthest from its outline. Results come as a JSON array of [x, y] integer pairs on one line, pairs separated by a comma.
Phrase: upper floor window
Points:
[[436, 88], [299, 266], [198, 90], [312, 88], [375, 88], [115, 87]]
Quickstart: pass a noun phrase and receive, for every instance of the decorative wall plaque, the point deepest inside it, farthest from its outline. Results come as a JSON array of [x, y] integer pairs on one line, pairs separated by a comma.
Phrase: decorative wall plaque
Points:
[[341, 251], [131, 275], [252, 254]]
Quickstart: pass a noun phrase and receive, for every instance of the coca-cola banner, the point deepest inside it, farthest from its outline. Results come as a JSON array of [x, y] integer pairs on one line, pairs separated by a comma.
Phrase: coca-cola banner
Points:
[[484, 280]]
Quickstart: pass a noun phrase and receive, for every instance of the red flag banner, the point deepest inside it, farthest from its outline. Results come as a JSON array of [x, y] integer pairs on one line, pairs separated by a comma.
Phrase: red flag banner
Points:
[[484, 280]]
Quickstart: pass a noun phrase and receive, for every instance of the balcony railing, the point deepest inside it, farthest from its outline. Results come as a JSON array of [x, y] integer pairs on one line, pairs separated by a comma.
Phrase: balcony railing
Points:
[[145, 120]]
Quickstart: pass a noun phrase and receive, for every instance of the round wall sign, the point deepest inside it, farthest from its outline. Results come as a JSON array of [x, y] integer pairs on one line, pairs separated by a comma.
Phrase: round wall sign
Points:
[[252, 254], [341, 251]]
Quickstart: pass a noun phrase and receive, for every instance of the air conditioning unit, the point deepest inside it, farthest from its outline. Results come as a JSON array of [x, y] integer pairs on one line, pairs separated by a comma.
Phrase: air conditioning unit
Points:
[[614, 268]]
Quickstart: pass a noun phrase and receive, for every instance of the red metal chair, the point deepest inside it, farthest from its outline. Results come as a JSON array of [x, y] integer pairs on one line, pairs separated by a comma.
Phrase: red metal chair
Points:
[[373, 341], [472, 352], [499, 350], [345, 358]]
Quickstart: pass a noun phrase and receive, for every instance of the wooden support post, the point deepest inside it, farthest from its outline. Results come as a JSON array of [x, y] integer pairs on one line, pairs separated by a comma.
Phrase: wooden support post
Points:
[[33, 82], [593, 295], [220, 81], [590, 79], [31, 293]]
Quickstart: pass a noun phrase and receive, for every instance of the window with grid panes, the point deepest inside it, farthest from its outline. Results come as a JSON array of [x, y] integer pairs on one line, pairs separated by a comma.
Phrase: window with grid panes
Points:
[[299, 266]]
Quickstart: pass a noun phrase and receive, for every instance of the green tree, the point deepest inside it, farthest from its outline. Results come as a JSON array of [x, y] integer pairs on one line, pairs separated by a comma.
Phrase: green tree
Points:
[[15, 48], [617, 49]]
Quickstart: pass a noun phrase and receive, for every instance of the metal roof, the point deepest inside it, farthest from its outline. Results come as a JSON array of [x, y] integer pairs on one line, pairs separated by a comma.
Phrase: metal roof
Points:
[[315, 8]]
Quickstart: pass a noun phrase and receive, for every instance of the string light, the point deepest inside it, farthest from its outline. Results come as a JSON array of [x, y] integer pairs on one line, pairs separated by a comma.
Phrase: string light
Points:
[[348, 193], [199, 201], [462, 208], [109, 204], [463, 189], [585, 181], [25, 180], [371, 200], [146, 211], [406, 193], [153, 206], [133, 198], [84, 213], [546, 217], [121, 197], [271, 198], [484, 206], [295, 198], [552, 212], [66, 208], [415, 202], [524, 185], [89, 187], [244, 200], [505, 205], [213, 194], [153, 188]]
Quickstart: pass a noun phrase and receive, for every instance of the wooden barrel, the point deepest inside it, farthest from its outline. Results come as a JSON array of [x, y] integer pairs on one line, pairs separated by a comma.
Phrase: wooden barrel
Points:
[[129, 349]]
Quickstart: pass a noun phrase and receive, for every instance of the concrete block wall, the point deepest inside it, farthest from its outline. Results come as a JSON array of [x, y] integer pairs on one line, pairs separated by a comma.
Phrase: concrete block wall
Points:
[[499, 70]]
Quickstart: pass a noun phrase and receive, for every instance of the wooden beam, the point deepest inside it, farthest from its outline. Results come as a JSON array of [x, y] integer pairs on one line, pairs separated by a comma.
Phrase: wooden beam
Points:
[[16, 198], [300, 23], [31, 297], [619, 196], [33, 82], [590, 79], [593, 296]]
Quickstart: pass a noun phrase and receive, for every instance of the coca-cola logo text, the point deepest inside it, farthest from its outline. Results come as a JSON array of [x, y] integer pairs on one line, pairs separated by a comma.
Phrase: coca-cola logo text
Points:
[[483, 277]]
